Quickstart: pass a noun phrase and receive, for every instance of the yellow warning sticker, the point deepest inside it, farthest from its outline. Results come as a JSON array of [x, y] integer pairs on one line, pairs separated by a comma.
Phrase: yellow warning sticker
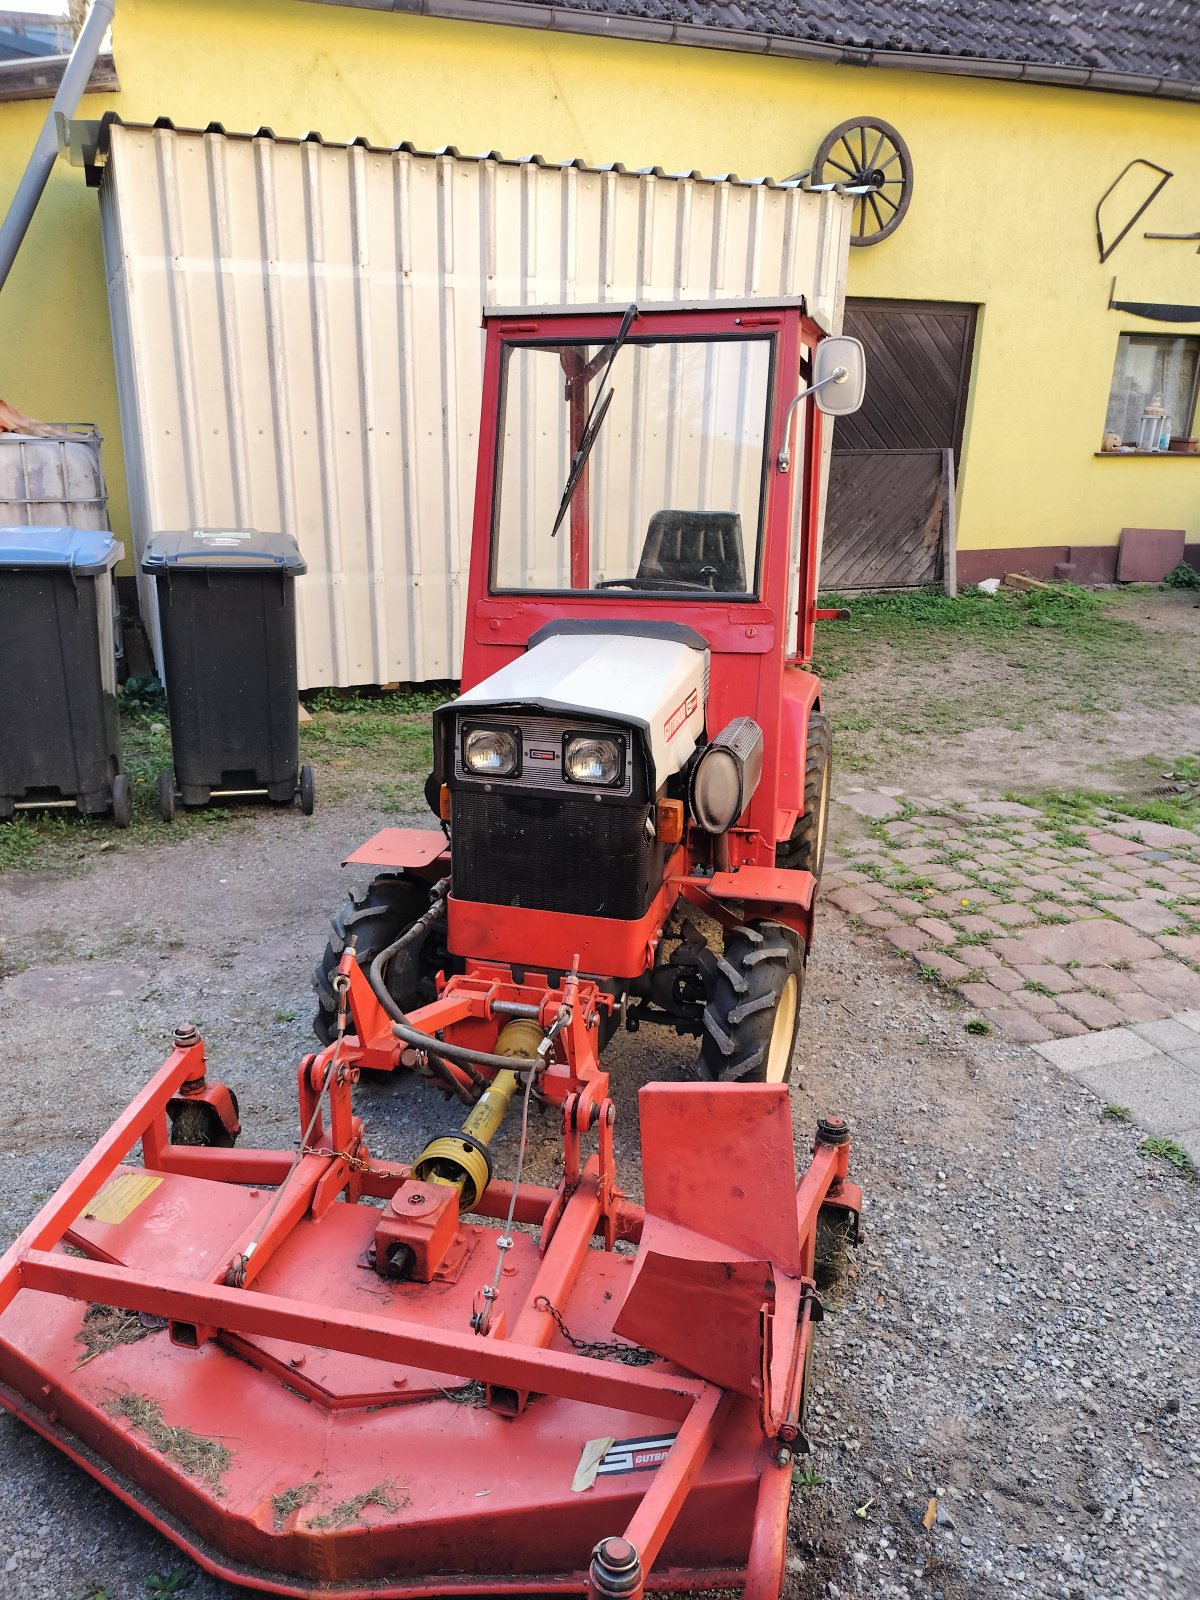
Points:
[[122, 1195]]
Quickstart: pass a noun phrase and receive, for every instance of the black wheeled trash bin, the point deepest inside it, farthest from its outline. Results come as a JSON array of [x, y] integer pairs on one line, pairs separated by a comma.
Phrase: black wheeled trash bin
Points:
[[227, 621], [60, 737]]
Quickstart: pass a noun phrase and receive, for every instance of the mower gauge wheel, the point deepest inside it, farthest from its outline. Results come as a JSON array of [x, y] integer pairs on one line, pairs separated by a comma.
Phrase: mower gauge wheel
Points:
[[196, 1123], [753, 1007], [308, 790]]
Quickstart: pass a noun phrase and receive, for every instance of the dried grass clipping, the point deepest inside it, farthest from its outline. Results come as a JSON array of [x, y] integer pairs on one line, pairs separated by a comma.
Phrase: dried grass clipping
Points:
[[206, 1459], [105, 1327], [348, 1511], [289, 1501]]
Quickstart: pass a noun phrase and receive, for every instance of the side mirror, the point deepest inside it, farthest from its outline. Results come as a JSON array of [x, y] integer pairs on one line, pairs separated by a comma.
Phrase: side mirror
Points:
[[839, 384], [839, 375]]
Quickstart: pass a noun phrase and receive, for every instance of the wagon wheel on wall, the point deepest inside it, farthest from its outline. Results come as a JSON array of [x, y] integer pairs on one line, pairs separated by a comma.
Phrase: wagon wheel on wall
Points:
[[867, 153]]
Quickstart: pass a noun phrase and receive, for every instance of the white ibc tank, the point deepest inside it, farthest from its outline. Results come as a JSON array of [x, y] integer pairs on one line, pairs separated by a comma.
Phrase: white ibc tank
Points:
[[52, 483]]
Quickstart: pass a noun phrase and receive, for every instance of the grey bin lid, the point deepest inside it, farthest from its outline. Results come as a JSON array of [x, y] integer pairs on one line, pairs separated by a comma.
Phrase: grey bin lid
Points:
[[223, 549], [79, 550]]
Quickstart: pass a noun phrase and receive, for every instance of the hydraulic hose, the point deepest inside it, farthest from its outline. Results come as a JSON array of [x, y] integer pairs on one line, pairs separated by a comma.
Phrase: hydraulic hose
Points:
[[430, 1046], [410, 935]]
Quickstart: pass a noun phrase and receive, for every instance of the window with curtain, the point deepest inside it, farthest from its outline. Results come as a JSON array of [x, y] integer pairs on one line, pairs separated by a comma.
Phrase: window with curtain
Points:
[[1149, 366]]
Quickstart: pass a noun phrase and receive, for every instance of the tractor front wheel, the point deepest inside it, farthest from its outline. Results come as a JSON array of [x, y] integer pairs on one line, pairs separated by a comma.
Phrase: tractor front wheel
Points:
[[805, 850], [753, 1011], [374, 919]]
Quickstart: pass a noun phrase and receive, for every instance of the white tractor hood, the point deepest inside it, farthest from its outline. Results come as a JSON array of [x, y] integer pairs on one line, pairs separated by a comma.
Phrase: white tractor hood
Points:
[[657, 684]]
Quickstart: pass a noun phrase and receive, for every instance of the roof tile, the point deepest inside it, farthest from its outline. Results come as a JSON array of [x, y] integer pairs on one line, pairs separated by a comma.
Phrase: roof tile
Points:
[[1159, 41]]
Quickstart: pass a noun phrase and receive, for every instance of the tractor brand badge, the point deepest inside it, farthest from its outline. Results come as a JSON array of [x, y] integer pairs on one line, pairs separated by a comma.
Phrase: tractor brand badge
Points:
[[680, 715], [635, 1455]]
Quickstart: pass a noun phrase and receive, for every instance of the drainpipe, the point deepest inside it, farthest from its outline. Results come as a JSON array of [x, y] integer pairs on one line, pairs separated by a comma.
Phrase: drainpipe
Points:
[[70, 91]]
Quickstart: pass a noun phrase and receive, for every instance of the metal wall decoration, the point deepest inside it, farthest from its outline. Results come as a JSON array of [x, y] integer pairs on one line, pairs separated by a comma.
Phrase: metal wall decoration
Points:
[[1185, 238], [1154, 311], [867, 155], [1106, 247]]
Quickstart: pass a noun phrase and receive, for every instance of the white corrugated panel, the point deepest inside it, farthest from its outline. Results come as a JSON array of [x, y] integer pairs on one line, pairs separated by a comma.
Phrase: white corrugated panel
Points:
[[298, 343]]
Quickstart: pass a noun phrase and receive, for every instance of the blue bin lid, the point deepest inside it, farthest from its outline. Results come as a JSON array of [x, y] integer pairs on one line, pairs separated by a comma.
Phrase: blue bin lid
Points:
[[83, 550], [226, 549]]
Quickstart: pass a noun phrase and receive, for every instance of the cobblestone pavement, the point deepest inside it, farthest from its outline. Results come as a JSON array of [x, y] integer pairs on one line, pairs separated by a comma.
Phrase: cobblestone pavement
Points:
[[1044, 931]]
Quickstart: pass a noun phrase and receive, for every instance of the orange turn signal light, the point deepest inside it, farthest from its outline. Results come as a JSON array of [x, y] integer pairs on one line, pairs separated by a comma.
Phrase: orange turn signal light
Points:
[[669, 822], [444, 802]]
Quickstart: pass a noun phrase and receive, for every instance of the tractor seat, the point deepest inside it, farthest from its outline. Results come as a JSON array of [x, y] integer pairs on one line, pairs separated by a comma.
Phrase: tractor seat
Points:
[[681, 544]]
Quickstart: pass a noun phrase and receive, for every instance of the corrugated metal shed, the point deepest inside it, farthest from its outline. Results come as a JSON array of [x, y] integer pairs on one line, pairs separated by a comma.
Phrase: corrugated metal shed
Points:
[[298, 344]]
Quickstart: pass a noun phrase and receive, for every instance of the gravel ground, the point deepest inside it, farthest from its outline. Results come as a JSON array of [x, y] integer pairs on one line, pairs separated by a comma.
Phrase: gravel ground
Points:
[[1020, 1336]]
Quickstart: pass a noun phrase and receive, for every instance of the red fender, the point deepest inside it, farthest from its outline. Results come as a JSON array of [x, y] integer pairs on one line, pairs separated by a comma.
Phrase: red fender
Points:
[[801, 692]]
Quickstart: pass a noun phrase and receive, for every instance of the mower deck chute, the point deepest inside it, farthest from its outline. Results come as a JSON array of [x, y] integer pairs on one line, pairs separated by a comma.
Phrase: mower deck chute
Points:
[[301, 1421]]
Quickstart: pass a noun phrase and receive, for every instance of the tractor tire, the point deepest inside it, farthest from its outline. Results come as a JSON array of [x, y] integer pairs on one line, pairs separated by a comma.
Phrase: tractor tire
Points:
[[196, 1123], [805, 850], [374, 918], [753, 1010]]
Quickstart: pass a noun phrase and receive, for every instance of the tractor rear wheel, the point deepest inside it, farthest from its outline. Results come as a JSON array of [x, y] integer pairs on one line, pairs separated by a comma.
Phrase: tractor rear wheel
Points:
[[752, 1014], [805, 850], [374, 918]]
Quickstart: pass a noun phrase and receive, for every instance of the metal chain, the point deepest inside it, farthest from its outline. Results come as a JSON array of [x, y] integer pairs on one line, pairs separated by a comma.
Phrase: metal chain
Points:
[[633, 1355]]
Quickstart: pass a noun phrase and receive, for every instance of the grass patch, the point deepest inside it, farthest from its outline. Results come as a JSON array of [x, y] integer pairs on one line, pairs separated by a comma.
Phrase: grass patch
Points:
[[393, 728], [806, 1476], [1169, 1150], [1071, 809], [920, 669], [1113, 1113], [977, 1026], [200, 1457]]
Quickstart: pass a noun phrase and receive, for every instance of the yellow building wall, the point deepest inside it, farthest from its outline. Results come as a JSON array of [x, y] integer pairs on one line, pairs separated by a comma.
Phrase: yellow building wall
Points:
[[1006, 182]]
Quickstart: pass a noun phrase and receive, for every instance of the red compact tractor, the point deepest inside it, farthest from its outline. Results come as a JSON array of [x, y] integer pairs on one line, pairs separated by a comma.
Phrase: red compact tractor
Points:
[[340, 1375]]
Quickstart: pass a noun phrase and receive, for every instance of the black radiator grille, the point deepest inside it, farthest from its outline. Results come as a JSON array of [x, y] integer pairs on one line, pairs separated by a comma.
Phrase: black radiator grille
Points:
[[572, 855]]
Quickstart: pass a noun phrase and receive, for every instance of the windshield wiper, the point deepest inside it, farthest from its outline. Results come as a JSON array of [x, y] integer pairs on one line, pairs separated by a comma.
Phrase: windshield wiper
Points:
[[595, 420]]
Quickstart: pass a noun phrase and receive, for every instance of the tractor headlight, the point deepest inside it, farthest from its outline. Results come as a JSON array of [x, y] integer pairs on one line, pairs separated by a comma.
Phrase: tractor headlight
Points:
[[598, 762], [491, 752]]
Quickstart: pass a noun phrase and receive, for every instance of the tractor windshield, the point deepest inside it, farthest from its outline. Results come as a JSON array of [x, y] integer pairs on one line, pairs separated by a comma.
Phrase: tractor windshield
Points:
[[662, 451]]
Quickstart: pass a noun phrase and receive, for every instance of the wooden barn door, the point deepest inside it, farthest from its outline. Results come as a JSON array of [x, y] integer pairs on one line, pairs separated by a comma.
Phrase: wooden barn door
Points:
[[886, 509]]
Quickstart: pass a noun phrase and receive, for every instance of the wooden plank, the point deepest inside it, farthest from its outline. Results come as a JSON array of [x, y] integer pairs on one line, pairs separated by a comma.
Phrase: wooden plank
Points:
[[886, 512], [950, 528]]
